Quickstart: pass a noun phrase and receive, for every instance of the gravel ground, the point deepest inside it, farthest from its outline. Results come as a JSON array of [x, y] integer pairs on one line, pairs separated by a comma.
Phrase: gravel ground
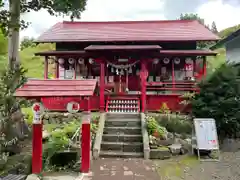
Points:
[[189, 168]]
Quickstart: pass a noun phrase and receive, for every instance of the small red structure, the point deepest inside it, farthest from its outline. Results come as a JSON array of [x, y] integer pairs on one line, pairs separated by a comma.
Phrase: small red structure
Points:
[[70, 90], [144, 62]]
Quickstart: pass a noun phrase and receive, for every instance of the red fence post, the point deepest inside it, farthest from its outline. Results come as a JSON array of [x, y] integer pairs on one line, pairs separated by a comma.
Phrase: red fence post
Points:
[[37, 140], [102, 86], [143, 77], [86, 139]]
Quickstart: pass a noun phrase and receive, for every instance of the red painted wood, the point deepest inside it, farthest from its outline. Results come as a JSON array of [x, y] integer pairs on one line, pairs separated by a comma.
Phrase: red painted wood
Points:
[[154, 102], [121, 47], [43, 88], [173, 75], [204, 67], [60, 103], [37, 148], [193, 52], [102, 86], [58, 92], [173, 89], [86, 139], [85, 166], [143, 76]]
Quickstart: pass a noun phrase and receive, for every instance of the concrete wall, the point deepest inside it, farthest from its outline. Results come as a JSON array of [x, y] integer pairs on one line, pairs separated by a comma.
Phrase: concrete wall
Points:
[[233, 50]]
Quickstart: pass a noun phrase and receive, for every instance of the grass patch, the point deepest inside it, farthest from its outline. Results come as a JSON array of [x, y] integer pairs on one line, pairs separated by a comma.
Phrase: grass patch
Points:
[[175, 167]]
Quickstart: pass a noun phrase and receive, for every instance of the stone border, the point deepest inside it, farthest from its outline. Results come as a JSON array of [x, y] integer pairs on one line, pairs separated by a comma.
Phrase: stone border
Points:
[[98, 138], [146, 148]]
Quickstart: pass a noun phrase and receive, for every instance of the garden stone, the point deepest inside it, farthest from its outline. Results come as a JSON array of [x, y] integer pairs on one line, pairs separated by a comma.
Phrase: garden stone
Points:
[[160, 153], [170, 135], [45, 134], [167, 142], [33, 177], [175, 149]]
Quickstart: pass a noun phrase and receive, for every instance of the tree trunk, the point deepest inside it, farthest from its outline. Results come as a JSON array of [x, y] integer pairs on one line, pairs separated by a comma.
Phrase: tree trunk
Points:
[[13, 36]]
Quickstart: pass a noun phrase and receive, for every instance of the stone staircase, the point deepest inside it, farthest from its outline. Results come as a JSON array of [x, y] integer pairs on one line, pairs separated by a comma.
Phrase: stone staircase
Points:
[[122, 136]]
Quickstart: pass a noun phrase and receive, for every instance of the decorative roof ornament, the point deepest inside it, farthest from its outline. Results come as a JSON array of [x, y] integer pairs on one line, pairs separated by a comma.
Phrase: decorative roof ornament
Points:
[[177, 60], [61, 61], [91, 60], [71, 61], [166, 60], [81, 61]]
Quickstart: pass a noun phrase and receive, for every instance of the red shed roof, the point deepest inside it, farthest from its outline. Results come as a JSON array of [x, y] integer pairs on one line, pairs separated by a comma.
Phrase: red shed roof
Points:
[[121, 47], [46, 88], [174, 30]]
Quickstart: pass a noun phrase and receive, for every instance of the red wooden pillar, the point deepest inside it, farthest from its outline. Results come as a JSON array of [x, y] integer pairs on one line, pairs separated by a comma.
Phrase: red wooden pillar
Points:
[[173, 75], [143, 77], [102, 86], [204, 67], [37, 143], [46, 68], [86, 139]]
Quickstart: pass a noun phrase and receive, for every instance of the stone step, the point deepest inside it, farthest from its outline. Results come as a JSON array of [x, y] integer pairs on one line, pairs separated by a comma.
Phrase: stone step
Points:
[[122, 146], [122, 130], [122, 123], [122, 137], [122, 115], [120, 154]]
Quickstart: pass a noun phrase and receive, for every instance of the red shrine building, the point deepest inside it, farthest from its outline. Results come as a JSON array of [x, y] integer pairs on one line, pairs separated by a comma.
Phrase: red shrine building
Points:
[[133, 66]]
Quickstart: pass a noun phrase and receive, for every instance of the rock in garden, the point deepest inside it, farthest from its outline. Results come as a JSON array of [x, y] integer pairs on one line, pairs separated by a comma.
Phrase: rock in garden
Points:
[[45, 134], [160, 153], [33, 177], [175, 149]]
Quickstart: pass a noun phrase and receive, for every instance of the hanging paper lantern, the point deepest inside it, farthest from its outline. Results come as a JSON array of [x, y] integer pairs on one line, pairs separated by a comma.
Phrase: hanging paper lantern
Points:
[[81, 61], [130, 70], [188, 60], [155, 61], [71, 61], [117, 72], [91, 60], [61, 61], [112, 69], [177, 60], [122, 72], [166, 60]]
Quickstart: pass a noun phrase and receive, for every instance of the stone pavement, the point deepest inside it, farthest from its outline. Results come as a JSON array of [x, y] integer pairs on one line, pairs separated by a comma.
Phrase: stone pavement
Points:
[[122, 169]]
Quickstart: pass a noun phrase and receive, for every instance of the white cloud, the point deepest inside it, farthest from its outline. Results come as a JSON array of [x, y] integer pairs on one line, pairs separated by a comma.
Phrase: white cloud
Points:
[[224, 15]]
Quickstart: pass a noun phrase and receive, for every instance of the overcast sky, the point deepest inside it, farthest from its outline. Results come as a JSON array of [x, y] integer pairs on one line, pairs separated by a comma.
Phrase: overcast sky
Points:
[[225, 13]]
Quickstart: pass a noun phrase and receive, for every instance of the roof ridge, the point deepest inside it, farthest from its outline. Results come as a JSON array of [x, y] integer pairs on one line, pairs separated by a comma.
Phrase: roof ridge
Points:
[[125, 22]]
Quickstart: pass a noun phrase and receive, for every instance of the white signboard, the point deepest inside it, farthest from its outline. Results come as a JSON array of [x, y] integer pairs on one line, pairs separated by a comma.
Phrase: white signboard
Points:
[[206, 134], [69, 74], [61, 72], [37, 109]]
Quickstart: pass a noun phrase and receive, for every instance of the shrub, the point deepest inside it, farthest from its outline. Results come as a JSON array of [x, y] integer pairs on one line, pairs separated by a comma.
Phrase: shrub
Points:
[[154, 128], [176, 124], [219, 99]]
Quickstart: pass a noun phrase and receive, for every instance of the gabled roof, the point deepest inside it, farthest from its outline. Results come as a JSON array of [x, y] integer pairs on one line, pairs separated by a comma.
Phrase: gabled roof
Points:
[[117, 31], [227, 39], [52, 88]]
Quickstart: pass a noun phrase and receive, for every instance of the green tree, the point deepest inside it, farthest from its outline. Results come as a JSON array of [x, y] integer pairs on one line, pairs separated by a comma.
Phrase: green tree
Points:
[[192, 16], [27, 42], [219, 99], [214, 28], [10, 19], [3, 44]]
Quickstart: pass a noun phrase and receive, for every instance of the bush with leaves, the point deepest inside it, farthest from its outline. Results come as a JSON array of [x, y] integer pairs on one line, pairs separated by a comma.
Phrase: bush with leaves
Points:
[[219, 99], [10, 111], [155, 129]]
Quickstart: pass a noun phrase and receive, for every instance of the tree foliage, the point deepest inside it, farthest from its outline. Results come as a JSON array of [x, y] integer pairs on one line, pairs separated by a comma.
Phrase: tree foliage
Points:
[[219, 99], [191, 16], [226, 32], [72, 8], [27, 42], [214, 28]]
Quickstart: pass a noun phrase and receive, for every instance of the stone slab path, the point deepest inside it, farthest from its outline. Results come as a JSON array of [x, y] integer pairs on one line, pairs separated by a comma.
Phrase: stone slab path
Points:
[[122, 169]]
